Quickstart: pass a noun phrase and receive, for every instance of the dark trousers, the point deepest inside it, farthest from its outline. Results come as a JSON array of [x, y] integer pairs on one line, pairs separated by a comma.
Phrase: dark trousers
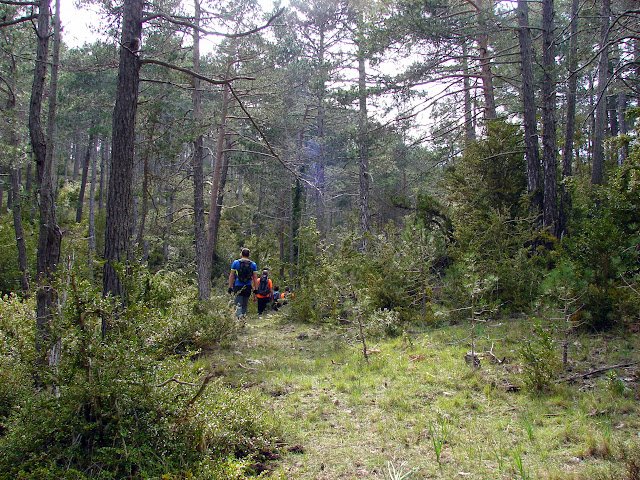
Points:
[[262, 304]]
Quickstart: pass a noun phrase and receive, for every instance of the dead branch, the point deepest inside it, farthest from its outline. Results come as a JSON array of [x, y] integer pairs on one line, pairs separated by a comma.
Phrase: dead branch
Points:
[[595, 372], [203, 386]]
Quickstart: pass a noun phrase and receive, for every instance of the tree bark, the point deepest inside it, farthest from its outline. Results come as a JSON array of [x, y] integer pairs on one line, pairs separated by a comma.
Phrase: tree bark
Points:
[[85, 173], [470, 130], [363, 146], [549, 152], [91, 245], [16, 204], [483, 14], [50, 236], [104, 160], [217, 173], [623, 152], [200, 234], [221, 186], [600, 126], [118, 229], [529, 110], [144, 209], [570, 129], [319, 159]]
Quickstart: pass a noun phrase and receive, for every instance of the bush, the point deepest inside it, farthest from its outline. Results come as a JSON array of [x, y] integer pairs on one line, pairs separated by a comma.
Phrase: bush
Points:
[[112, 409], [540, 363]]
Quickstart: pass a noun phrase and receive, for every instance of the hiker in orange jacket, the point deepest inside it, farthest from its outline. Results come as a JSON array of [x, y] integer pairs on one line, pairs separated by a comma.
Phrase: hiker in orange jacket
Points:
[[264, 291]]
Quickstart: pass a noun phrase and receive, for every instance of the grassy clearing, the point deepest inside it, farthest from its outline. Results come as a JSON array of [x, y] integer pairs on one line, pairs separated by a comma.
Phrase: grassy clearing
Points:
[[417, 410]]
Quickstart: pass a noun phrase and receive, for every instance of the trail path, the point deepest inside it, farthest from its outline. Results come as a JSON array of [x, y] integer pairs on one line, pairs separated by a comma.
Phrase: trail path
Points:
[[314, 379], [416, 406]]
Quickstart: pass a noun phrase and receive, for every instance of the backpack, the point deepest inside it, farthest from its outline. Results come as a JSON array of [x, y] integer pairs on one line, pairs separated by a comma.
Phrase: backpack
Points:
[[245, 272], [263, 286], [277, 296]]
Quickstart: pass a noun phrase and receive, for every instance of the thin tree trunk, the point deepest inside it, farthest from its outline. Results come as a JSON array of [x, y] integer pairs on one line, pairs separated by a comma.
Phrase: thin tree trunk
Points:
[[223, 182], [23, 262], [91, 247], [483, 16], [549, 152], [27, 183], [570, 130], [363, 144], [167, 229], [203, 271], [76, 157], [281, 227], [600, 126], [320, 135], [120, 195], [104, 161], [470, 130], [144, 210], [85, 173], [49, 238], [623, 152], [529, 110], [217, 172]]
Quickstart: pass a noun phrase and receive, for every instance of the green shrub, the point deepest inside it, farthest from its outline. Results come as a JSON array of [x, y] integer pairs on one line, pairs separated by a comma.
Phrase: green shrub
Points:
[[540, 362], [17, 351], [117, 410]]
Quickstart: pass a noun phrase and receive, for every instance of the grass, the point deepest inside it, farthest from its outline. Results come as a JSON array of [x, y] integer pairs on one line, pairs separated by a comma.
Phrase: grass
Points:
[[416, 410]]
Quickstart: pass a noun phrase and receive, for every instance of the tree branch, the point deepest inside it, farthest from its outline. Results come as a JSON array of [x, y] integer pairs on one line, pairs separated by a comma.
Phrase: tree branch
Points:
[[185, 23], [191, 72], [19, 20], [18, 3], [595, 372]]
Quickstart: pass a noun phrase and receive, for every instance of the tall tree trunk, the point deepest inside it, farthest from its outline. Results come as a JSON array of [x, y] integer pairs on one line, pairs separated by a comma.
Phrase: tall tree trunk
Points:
[[470, 130], [85, 173], [570, 128], [91, 247], [167, 229], [200, 234], [144, 210], [623, 152], [120, 195], [104, 161], [217, 173], [600, 126], [363, 147], [529, 110], [319, 159], [23, 262], [221, 186], [483, 14], [50, 236], [76, 157], [549, 152], [13, 193], [29, 177]]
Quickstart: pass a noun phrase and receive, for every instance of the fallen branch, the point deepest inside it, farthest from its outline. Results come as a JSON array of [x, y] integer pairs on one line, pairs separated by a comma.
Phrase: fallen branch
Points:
[[595, 372], [203, 386]]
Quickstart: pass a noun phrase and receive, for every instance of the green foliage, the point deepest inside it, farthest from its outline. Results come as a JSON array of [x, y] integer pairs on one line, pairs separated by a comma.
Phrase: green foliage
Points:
[[604, 244], [17, 354], [540, 362], [123, 406], [487, 188]]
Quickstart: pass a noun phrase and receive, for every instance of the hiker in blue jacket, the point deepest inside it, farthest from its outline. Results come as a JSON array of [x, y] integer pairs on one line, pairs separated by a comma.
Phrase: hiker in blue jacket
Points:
[[243, 279]]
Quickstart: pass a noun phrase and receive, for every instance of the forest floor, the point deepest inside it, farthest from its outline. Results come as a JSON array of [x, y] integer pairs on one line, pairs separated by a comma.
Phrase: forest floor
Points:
[[416, 409]]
